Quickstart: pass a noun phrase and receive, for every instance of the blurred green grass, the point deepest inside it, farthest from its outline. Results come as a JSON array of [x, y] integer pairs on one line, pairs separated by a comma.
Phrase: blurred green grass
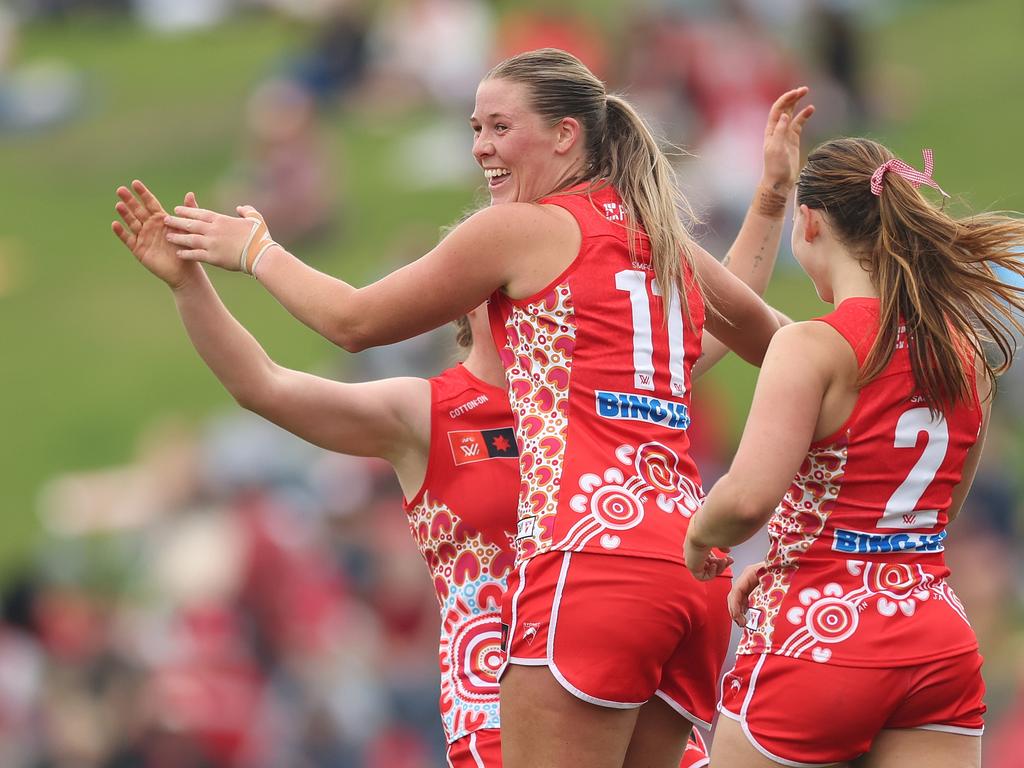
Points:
[[92, 349]]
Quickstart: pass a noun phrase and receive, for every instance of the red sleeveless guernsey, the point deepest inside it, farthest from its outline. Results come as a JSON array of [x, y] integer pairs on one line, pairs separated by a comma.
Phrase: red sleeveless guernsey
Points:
[[600, 389], [855, 572], [463, 520]]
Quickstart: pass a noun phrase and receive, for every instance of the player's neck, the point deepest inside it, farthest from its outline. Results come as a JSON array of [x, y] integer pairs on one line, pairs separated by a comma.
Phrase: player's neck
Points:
[[484, 363]]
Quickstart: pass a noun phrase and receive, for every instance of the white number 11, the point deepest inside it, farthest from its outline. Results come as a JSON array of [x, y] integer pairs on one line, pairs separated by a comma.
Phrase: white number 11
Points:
[[634, 282]]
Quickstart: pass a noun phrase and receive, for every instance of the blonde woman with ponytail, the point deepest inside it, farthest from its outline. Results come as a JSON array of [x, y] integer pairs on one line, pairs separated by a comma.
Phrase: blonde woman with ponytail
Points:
[[868, 424], [597, 302]]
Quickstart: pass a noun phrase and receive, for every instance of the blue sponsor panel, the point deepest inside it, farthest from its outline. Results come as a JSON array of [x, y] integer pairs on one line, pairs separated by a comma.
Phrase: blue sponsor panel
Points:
[[634, 407], [860, 543]]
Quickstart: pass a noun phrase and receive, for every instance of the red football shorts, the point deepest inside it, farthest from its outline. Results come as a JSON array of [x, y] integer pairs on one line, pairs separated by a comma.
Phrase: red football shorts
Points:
[[480, 749], [696, 754], [802, 713], [616, 630]]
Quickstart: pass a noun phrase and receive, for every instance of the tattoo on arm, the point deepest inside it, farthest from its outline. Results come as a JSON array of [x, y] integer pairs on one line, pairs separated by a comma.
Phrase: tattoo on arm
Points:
[[760, 251]]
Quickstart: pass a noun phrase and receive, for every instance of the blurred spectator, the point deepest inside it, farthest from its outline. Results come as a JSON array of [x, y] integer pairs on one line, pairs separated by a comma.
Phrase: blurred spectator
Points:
[[336, 59], [430, 52], [546, 26], [36, 95], [287, 173], [181, 15]]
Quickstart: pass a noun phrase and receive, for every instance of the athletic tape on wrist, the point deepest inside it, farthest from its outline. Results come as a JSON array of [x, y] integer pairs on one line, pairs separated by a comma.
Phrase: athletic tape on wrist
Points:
[[256, 245]]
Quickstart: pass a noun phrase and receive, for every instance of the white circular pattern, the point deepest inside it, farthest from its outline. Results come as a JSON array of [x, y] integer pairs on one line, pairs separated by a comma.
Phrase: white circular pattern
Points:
[[832, 620], [476, 653], [615, 507]]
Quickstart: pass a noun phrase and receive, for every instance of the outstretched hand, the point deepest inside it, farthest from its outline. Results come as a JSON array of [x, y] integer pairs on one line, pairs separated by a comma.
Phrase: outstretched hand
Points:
[[143, 231], [782, 140], [231, 242]]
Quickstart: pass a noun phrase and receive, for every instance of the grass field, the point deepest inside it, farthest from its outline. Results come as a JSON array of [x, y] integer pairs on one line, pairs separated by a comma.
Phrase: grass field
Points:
[[92, 349]]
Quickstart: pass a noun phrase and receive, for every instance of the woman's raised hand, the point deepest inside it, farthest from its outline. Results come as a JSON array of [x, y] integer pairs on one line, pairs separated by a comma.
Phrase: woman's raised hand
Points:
[[782, 140], [143, 231]]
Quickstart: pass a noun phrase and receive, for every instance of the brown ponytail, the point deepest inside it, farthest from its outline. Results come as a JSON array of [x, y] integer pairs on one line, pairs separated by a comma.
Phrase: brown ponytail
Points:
[[934, 273], [463, 332], [621, 151]]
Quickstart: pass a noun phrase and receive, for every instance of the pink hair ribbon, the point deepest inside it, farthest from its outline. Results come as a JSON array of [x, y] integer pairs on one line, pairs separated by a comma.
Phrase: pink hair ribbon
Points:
[[914, 176]]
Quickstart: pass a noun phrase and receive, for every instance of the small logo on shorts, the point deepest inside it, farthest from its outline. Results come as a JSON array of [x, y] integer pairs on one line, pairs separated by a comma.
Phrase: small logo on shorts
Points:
[[530, 630], [734, 683], [753, 618], [526, 528]]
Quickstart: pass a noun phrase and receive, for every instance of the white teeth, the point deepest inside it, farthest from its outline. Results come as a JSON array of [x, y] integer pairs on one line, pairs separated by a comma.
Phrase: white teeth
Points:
[[492, 173]]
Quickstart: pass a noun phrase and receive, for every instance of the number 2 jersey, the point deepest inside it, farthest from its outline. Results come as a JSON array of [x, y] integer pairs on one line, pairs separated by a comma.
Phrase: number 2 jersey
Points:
[[462, 521], [855, 573], [599, 385]]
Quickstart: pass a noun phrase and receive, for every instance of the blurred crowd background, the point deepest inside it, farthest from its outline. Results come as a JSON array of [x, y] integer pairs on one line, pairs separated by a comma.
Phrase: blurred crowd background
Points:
[[184, 584]]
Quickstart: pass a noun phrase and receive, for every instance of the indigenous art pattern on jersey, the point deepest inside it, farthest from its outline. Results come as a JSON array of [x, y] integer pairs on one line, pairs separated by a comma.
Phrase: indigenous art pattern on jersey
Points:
[[855, 574], [811, 498], [462, 520], [613, 502], [599, 364], [540, 340], [469, 576]]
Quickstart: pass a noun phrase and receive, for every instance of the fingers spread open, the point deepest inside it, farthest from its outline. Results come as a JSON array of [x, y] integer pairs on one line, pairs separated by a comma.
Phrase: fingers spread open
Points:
[[129, 218], [148, 198], [123, 234], [801, 118], [137, 209]]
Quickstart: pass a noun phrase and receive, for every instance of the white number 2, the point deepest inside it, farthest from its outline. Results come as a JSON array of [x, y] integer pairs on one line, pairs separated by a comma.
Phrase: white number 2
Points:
[[899, 511], [634, 282]]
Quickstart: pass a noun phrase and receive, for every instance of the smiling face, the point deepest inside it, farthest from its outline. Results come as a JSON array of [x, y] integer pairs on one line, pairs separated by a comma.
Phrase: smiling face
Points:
[[523, 156]]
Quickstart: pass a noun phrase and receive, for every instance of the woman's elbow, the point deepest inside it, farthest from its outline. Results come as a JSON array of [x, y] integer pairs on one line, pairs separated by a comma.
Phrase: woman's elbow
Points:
[[350, 336], [258, 392], [748, 507]]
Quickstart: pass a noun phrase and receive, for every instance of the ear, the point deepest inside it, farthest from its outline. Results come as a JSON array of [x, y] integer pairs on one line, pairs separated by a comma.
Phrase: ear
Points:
[[812, 223], [569, 133]]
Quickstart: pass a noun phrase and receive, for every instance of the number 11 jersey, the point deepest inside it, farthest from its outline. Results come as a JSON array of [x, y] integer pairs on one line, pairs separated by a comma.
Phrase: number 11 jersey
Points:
[[855, 573], [599, 384]]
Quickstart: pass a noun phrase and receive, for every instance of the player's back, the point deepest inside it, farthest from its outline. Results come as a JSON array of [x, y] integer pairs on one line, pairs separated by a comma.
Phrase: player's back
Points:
[[857, 542], [599, 383]]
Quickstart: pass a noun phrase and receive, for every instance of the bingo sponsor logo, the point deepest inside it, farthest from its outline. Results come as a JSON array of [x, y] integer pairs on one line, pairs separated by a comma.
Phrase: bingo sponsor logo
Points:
[[860, 543], [653, 410]]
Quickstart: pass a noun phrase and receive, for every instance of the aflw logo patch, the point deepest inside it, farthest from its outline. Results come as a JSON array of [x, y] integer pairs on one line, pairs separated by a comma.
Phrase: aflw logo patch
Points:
[[482, 444]]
